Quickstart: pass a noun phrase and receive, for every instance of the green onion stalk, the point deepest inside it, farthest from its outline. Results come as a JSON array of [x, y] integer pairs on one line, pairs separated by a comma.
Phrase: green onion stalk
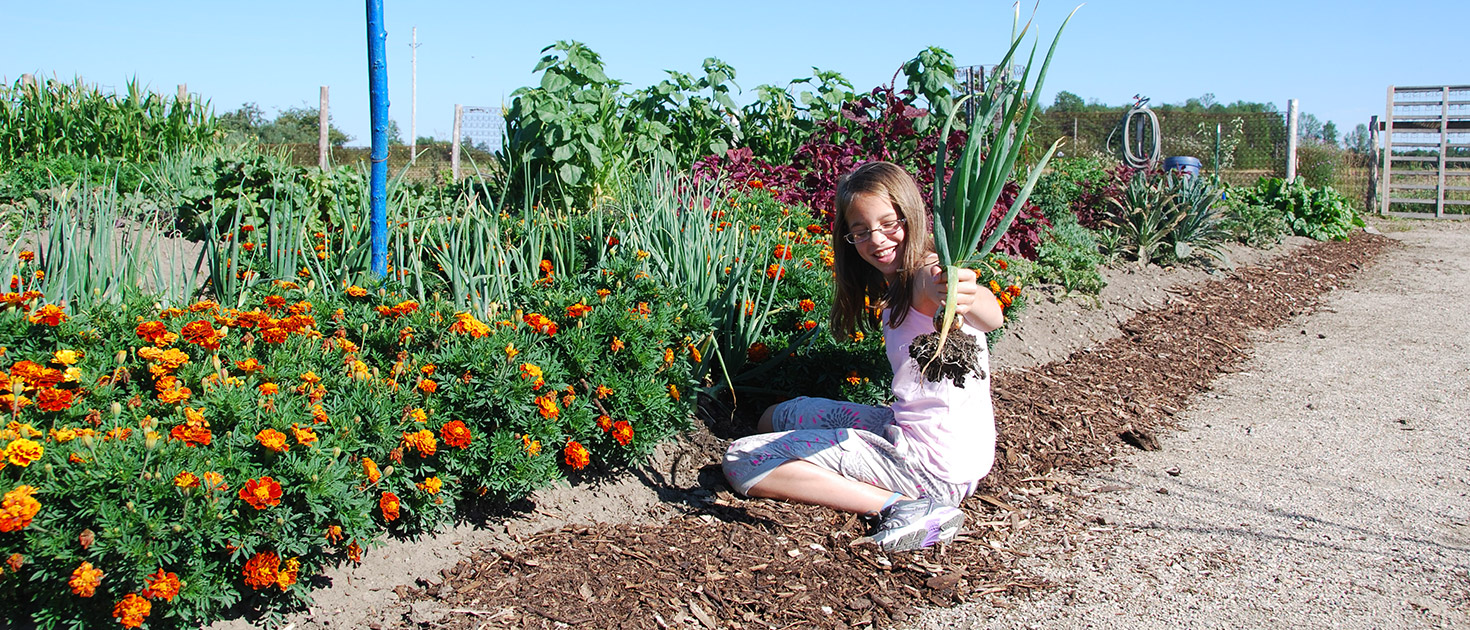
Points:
[[963, 207]]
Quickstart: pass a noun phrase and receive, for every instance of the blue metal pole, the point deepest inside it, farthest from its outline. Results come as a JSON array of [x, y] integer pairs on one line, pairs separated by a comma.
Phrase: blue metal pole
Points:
[[378, 90]]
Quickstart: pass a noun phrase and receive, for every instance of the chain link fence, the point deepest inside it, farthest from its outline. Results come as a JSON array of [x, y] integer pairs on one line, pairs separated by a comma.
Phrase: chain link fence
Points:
[[1249, 146], [432, 166]]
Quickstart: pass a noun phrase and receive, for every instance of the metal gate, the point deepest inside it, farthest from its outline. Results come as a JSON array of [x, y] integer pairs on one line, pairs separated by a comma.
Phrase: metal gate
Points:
[[1426, 152]]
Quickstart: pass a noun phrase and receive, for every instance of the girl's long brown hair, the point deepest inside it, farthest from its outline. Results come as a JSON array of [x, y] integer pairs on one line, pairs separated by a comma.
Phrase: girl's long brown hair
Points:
[[859, 285]]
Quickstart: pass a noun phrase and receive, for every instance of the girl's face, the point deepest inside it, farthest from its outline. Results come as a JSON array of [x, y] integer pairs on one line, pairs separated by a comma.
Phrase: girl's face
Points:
[[883, 251]]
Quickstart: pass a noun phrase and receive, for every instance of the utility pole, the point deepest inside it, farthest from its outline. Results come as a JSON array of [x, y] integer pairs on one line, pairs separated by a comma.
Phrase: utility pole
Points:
[[413, 117]]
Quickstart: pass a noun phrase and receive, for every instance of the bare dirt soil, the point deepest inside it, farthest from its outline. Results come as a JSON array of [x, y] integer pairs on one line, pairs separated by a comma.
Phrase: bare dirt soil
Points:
[[671, 546], [1322, 486]]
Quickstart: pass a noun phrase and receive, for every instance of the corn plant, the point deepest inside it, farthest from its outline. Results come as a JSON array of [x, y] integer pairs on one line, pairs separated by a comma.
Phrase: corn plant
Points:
[[962, 209], [52, 118]]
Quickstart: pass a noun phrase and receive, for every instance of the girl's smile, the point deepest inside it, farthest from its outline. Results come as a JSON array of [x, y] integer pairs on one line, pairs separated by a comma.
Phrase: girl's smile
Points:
[[882, 251]]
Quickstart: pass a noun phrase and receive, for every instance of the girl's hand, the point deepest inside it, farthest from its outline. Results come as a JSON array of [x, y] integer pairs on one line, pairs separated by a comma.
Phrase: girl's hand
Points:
[[975, 303]]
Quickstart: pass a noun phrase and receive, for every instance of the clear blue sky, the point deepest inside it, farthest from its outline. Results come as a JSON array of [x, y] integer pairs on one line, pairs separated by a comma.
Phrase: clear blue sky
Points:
[[1329, 55]]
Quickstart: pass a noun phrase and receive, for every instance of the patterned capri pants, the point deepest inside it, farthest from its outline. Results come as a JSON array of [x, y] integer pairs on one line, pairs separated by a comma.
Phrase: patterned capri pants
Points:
[[859, 442]]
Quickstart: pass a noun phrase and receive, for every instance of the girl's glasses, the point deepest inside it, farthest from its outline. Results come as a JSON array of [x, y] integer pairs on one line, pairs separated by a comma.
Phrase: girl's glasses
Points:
[[888, 228]]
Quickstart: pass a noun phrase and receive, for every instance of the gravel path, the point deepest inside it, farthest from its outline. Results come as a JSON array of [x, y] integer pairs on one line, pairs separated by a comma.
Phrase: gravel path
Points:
[[1324, 487]]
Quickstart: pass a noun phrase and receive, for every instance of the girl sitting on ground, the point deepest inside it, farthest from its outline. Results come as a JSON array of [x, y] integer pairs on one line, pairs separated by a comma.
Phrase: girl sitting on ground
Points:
[[909, 464]]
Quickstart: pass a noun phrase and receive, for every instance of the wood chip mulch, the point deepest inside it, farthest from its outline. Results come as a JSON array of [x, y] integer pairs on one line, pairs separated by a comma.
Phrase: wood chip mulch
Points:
[[729, 562]]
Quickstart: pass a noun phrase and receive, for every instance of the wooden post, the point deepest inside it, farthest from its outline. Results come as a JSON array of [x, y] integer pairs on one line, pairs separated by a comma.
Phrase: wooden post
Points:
[[322, 143], [183, 93], [1372, 196], [1291, 113], [28, 80], [454, 156], [1387, 184], [1444, 135]]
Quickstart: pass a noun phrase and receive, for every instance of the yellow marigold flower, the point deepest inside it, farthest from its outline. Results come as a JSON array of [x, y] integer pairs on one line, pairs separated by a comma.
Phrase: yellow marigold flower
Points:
[[603, 391], [533, 447], [356, 291], [84, 580], [616, 345], [673, 392], [431, 485], [216, 481], [510, 351], [21, 452], [66, 357], [64, 435], [310, 378]]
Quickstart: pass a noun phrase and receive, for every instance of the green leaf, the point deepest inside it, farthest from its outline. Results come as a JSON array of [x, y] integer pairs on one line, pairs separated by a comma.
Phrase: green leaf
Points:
[[555, 82], [570, 174]]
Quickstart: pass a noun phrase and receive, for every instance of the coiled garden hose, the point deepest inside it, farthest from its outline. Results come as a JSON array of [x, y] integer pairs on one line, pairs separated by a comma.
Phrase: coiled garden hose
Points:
[[1134, 160]]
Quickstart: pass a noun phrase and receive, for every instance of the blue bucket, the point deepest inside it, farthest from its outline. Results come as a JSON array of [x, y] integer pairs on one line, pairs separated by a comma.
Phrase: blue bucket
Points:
[[1186, 164]]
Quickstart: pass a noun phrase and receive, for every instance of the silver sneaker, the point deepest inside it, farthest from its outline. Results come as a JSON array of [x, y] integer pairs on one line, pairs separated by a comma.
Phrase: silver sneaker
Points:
[[916, 524]]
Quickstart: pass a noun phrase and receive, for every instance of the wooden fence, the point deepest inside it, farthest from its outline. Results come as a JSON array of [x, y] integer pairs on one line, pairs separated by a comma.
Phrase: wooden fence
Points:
[[1426, 152]]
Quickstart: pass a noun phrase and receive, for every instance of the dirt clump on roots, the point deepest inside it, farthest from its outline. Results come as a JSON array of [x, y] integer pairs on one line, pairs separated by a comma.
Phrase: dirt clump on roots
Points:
[[955, 360], [729, 562]]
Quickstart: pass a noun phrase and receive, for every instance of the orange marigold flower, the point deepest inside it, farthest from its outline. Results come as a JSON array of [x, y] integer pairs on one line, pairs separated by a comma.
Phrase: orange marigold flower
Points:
[[807, 325], [758, 352], [389, 504], [1014, 290], [303, 435], [510, 351], [616, 345], [49, 315], [186, 480], [268, 389], [418, 415], [673, 392], [546, 405], [782, 252], [18, 508], [215, 481], [354, 552], [275, 301], [260, 570], [466, 324], [604, 422], [668, 356], [318, 414], [622, 432], [533, 447], [455, 434], [370, 468], [274, 335], [118, 433], [546, 267], [540, 323], [356, 291], [576, 455], [603, 391], [273, 440], [806, 305], [775, 271], [195, 430], [249, 365], [21, 452], [1002, 264], [161, 585], [286, 575], [84, 580], [431, 485], [261, 493], [27, 255], [132, 610], [577, 310], [853, 378], [422, 441], [427, 386], [334, 534], [16, 561], [694, 354], [603, 293]]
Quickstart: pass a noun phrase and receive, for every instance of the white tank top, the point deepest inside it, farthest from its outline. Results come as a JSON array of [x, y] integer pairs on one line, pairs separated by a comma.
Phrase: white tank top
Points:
[[950, 429]]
